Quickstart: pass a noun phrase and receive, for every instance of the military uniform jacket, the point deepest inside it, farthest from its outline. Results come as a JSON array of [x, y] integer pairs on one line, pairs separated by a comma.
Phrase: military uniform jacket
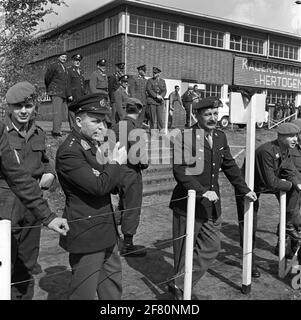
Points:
[[120, 98], [271, 166], [187, 99], [153, 88], [87, 195], [137, 88], [296, 154], [76, 83], [30, 151], [113, 84], [219, 157], [56, 80], [98, 82], [21, 182]]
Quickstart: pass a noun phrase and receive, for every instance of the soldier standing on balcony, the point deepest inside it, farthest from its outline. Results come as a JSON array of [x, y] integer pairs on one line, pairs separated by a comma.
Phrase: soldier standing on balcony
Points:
[[155, 93]]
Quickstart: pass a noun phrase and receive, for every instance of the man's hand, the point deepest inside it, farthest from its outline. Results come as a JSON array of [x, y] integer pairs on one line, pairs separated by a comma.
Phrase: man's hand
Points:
[[251, 196], [211, 196], [59, 225], [46, 181], [160, 97], [70, 98], [119, 155]]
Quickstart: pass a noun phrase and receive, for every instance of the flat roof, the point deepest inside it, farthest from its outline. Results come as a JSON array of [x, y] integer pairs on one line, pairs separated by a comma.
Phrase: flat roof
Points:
[[148, 5]]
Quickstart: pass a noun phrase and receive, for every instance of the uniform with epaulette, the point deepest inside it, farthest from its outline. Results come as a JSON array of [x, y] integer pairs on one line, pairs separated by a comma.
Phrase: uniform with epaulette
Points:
[[29, 148], [99, 79], [196, 167], [91, 241], [113, 80], [155, 93], [120, 99]]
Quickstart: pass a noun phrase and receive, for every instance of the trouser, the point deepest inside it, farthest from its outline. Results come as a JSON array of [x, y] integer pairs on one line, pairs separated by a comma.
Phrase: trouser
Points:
[[71, 119], [188, 110], [131, 190], [59, 112], [25, 245], [96, 273], [207, 244], [156, 114], [293, 217], [142, 116]]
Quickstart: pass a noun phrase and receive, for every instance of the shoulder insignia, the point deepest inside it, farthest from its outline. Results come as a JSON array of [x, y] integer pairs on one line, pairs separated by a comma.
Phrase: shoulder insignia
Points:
[[85, 144]]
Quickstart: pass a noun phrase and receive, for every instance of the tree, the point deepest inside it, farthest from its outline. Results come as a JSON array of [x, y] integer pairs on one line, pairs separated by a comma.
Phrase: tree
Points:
[[20, 42]]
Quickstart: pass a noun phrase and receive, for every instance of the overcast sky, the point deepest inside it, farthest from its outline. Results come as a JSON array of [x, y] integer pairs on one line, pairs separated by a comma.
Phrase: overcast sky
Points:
[[282, 15]]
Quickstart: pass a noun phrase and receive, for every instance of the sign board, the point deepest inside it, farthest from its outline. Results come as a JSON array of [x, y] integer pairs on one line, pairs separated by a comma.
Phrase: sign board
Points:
[[270, 75], [238, 107]]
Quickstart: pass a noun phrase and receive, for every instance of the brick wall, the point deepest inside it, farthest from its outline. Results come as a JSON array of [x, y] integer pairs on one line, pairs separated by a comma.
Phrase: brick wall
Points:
[[180, 61]]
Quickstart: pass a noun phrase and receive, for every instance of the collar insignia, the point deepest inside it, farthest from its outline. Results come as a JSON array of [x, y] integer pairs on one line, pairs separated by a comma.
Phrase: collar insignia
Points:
[[85, 145]]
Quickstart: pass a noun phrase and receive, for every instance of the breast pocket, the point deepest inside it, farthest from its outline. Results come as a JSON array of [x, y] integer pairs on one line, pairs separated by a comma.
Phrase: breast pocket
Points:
[[38, 148]]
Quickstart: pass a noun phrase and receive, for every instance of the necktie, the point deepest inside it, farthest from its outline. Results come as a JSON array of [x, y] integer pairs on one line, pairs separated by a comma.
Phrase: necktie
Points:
[[209, 139]]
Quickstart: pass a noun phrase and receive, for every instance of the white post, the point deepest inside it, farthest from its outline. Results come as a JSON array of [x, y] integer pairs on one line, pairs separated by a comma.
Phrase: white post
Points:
[[5, 259], [189, 244], [281, 265], [248, 216], [166, 116]]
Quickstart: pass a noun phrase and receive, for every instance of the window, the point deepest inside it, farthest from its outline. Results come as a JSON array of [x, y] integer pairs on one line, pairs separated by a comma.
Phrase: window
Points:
[[282, 96], [246, 44], [213, 90], [203, 36], [153, 27], [286, 51]]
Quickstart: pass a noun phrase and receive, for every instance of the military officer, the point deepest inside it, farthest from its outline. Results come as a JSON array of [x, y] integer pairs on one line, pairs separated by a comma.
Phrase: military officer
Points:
[[155, 93], [113, 81], [120, 97], [76, 84], [57, 88], [131, 187], [28, 142], [137, 89], [87, 182], [275, 172], [99, 79], [190, 176]]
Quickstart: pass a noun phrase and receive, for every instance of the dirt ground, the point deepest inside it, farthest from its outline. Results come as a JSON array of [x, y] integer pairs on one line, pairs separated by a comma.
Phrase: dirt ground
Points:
[[145, 278]]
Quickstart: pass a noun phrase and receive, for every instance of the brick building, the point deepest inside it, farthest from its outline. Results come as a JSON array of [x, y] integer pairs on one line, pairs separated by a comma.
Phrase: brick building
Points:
[[189, 47]]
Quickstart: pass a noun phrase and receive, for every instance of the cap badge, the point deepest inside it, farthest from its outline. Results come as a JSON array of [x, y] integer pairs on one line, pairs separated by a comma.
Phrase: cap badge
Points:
[[103, 103]]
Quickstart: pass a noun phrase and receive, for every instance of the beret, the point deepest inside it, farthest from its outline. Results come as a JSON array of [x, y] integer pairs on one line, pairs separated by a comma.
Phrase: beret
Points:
[[288, 128], [208, 102], [297, 122], [133, 105], [95, 103], [101, 62], [77, 56], [120, 65], [20, 92], [143, 67], [124, 78], [156, 70]]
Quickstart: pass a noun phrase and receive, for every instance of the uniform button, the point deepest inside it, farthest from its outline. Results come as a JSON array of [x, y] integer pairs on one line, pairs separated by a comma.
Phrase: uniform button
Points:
[[212, 186], [213, 164]]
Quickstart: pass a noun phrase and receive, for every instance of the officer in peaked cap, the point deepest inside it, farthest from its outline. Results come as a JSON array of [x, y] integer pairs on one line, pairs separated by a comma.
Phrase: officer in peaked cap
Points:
[[155, 94], [101, 62], [120, 97], [77, 57], [113, 79], [143, 67], [99, 80], [21, 92], [75, 85], [120, 65], [133, 106], [136, 89], [88, 173]]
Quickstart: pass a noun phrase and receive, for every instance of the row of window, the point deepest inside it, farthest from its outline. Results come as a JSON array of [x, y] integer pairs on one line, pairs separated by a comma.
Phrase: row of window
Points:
[[274, 96], [168, 30]]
